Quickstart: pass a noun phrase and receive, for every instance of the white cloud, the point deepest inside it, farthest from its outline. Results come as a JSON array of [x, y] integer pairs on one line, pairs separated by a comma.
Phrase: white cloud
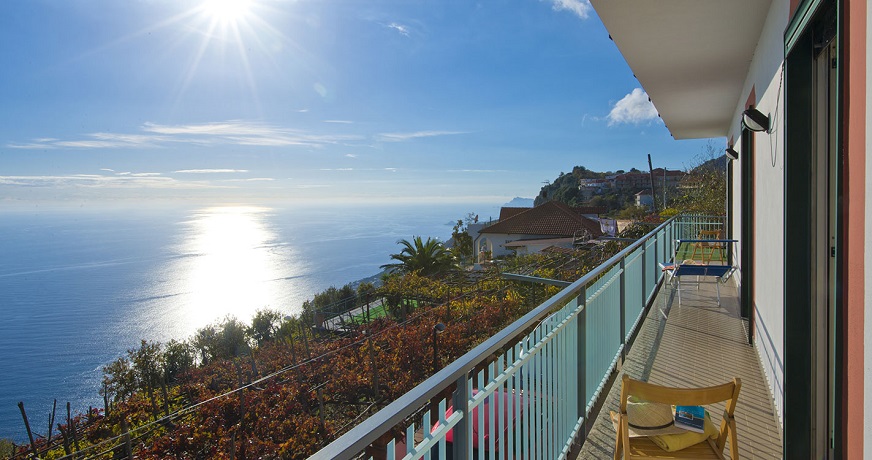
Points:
[[634, 108], [233, 132], [92, 181], [402, 29], [350, 155], [400, 137], [580, 8], [210, 171]]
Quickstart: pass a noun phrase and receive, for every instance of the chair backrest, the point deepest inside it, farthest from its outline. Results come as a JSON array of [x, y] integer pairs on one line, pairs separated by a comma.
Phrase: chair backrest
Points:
[[711, 234], [680, 396], [728, 392]]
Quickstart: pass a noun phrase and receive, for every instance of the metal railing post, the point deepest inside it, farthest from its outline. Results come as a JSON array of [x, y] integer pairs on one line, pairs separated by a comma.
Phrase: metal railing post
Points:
[[460, 447], [623, 288], [645, 269], [582, 361]]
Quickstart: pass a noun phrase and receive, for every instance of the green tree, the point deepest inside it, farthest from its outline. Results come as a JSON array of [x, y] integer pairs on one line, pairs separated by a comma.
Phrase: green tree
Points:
[[425, 257], [634, 212], [205, 342], [148, 368], [364, 291], [462, 241], [264, 326], [147, 364], [178, 359], [6, 448], [223, 340], [233, 338], [119, 380]]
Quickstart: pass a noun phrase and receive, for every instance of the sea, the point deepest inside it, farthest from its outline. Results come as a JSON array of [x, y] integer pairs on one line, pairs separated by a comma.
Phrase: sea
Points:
[[81, 285]]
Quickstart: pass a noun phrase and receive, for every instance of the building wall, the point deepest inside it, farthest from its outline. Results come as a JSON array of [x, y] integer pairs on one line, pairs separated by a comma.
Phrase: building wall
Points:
[[867, 377], [857, 422], [495, 242], [764, 81], [645, 200]]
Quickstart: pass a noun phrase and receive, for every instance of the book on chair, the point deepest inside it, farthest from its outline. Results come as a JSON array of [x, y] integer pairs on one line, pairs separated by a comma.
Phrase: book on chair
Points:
[[690, 418]]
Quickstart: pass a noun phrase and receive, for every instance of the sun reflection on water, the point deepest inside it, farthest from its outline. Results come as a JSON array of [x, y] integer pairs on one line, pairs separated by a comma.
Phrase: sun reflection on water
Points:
[[233, 263]]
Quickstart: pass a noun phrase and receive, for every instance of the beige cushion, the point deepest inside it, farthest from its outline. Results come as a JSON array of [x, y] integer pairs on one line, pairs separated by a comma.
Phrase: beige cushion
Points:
[[676, 442]]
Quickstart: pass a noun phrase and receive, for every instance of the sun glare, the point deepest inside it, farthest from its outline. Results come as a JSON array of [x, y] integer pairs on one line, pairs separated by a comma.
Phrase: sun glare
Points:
[[234, 266], [227, 11]]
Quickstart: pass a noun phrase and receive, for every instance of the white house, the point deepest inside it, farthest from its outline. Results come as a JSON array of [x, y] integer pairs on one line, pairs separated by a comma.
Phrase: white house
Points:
[[644, 198], [529, 230]]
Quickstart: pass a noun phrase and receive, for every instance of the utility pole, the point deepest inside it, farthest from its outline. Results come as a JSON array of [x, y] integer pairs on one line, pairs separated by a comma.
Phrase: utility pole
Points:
[[664, 189], [651, 174]]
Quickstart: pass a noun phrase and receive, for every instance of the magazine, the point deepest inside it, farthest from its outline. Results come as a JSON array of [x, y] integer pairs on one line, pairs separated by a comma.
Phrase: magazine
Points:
[[690, 418]]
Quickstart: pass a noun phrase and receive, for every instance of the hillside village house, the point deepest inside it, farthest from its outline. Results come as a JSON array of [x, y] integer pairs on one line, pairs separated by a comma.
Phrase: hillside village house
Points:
[[530, 230], [644, 198], [785, 82], [638, 180], [635, 180]]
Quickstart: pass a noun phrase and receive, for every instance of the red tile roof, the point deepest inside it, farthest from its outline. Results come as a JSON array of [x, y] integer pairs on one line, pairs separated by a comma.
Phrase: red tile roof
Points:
[[551, 218], [505, 212]]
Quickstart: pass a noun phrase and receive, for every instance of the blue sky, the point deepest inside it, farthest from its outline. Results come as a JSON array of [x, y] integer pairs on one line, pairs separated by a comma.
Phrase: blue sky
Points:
[[439, 101]]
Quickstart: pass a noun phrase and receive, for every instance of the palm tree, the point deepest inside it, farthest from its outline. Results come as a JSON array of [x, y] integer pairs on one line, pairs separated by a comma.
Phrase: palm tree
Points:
[[425, 257]]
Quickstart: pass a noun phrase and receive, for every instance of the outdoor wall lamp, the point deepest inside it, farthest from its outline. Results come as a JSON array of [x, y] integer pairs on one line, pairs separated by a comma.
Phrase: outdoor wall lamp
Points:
[[754, 120], [732, 154]]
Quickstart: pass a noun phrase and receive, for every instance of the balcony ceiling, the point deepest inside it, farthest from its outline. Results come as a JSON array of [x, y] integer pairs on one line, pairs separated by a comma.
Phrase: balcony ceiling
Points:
[[691, 56]]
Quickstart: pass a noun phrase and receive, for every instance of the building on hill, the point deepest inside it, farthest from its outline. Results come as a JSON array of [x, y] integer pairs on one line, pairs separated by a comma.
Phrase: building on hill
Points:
[[644, 198], [529, 230], [640, 180]]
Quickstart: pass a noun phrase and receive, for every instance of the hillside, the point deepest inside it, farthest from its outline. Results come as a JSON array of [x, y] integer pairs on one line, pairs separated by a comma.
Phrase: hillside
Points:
[[565, 189]]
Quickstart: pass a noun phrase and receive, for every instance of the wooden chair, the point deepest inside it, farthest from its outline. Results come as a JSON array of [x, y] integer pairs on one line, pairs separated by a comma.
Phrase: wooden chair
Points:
[[643, 447], [712, 247]]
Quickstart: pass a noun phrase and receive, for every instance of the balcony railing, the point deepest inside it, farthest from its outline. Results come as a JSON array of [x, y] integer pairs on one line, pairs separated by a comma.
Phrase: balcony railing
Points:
[[528, 391]]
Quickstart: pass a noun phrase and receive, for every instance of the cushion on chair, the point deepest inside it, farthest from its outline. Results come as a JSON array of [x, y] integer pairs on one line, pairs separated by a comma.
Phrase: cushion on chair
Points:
[[676, 442]]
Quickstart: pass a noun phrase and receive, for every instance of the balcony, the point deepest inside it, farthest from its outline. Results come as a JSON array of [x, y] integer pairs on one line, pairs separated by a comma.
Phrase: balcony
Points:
[[697, 344], [542, 387]]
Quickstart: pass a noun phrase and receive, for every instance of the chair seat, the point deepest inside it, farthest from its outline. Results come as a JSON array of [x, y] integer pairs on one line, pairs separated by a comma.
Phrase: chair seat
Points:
[[646, 448]]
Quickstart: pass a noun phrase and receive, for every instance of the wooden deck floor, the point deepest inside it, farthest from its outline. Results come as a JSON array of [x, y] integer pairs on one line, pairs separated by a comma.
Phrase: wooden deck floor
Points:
[[693, 345]]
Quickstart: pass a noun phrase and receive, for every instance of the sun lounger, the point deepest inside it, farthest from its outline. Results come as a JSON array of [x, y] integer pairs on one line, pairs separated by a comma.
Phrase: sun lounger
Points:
[[721, 273]]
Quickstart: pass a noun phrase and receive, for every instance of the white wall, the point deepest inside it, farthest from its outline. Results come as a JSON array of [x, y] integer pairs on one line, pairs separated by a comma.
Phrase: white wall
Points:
[[498, 240], [765, 77]]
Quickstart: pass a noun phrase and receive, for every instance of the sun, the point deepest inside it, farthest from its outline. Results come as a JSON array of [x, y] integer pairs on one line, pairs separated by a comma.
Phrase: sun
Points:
[[226, 11]]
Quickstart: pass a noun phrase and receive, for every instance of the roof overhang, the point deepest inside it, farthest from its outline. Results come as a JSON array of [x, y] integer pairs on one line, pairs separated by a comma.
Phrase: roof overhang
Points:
[[691, 56]]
